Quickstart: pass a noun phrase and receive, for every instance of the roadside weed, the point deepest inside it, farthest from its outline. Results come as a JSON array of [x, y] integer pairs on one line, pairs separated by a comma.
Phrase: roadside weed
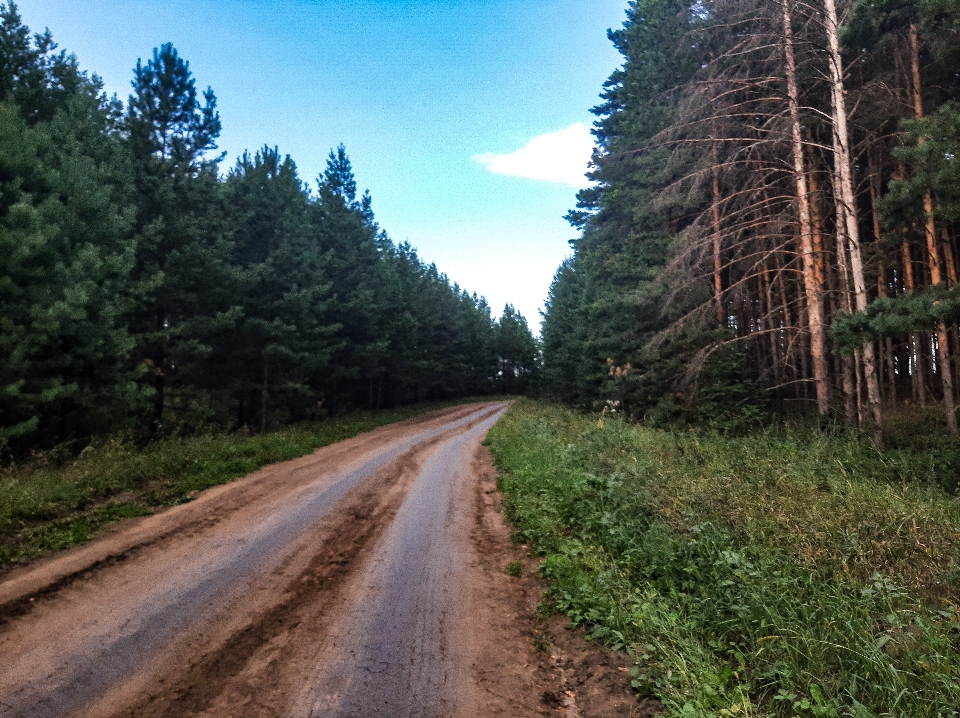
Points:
[[782, 574], [50, 505], [542, 640]]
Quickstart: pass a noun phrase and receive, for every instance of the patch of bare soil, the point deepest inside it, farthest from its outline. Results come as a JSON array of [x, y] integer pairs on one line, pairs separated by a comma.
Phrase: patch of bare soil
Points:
[[253, 669], [213, 607], [257, 667], [242, 609], [525, 666], [21, 587]]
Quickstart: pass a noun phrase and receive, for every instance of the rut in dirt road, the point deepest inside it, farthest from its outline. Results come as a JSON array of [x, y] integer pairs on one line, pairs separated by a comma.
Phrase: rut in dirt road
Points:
[[327, 586], [398, 652]]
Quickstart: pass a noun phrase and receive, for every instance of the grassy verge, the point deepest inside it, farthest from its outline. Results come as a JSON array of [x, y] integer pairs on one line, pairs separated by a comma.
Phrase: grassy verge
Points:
[[49, 506], [783, 574]]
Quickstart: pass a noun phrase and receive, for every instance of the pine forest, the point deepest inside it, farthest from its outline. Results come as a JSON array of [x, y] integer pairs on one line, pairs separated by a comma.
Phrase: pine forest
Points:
[[773, 224], [145, 288], [722, 481]]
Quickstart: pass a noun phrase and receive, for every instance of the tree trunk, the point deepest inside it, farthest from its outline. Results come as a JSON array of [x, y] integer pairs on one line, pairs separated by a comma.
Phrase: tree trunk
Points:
[[159, 376], [916, 363], [858, 376], [820, 265], [930, 232], [842, 276], [717, 264], [263, 398], [891, 371], [814, 297], [887, 347], [950, 262], [849, 392], [816, 222], [805, 373], [949, 257], [790, 349], [775, 349], [847, 219]]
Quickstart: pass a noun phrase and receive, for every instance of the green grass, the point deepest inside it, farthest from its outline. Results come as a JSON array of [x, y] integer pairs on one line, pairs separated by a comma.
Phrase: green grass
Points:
[[47, 505], [787, 573]]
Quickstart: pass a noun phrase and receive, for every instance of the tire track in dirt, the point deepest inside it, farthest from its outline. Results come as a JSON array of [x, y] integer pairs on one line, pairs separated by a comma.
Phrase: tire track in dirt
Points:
[[387, 597], [358, 524], [22, 588], [193, 580], [400, 645]]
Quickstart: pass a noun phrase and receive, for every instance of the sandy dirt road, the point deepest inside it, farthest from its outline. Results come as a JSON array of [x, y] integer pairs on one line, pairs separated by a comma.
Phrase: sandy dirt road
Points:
[[363, 580]]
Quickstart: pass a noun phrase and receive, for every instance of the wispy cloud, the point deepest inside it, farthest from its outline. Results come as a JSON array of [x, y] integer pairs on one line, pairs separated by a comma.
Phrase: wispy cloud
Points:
[[554, 157]]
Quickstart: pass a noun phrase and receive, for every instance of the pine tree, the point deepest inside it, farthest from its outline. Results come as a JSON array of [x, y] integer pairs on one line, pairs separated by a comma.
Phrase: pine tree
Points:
[[517, 351], [282, 336], [132, 274], [64, 257], [180, 276], [563, 335], [744, 148], [344, 229]]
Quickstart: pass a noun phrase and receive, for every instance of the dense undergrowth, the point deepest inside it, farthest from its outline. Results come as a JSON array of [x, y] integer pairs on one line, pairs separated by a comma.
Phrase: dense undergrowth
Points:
[[785, 573], [49, 503]]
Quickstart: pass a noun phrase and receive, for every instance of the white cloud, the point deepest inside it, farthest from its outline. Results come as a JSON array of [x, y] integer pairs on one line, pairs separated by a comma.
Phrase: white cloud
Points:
[[554, 157], [522, 281]]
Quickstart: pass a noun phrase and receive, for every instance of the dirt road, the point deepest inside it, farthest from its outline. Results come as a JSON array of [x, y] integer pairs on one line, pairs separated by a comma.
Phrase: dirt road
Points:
[[363, 580]]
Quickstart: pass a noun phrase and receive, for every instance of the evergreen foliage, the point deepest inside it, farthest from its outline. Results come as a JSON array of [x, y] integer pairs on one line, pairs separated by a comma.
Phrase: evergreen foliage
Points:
[[516, 351], [64, 250], [893, 316], [141, 290], [747, 196]]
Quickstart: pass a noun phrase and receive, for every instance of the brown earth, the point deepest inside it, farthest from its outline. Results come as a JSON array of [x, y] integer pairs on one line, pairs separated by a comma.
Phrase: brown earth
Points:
[[365, 579], [532, 666]]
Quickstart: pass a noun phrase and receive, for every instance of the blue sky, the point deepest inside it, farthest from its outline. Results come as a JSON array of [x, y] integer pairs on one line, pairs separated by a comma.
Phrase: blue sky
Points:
[[432, 98]]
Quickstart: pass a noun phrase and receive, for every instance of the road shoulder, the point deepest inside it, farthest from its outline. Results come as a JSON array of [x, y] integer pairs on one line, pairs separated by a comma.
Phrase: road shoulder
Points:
[[523, 665]]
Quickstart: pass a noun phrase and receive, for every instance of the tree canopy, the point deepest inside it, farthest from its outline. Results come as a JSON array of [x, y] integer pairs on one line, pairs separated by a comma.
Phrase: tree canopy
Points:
[[142, 289], [766, 170]]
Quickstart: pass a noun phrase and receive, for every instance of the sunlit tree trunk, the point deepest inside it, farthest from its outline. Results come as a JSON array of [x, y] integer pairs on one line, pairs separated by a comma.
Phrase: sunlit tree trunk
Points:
[[816, 224], [847, 217], [819, 255], [813, 292], [842, 279]]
